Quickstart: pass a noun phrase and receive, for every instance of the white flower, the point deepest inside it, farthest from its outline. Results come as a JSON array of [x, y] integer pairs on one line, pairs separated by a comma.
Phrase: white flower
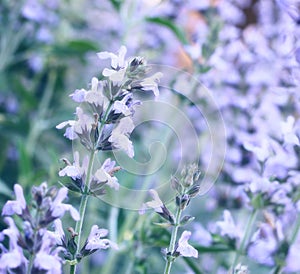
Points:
[[156, 204], [77, 127], [184, 248], [150, 83], [75, 171], [118, 64], [105, 174], [119, 136], [95, 242]]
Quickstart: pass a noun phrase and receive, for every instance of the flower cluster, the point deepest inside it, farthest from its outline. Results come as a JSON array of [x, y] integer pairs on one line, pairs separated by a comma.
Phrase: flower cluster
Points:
[[107, 124], [32, 248], [186, 188]]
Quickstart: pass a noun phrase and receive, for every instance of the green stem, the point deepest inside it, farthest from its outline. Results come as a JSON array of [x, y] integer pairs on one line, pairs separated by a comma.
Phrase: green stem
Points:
[[85, 194], [245, 238], [171, 249]]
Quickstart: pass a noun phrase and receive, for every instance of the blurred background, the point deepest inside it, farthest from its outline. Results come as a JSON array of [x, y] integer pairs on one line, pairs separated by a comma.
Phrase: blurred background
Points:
[[244, 51]]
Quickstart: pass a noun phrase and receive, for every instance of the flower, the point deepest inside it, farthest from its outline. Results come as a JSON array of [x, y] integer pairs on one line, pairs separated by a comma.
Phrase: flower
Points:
[[58, 233], [95, 242], [75, 171], [156, 204], [119, 136], [14, 257], [81, 127], [47, 257], [150, 83], [105, 174], [227, 226], [184, 248], [118, 64], [58, 209], [288, 131], [15, 207]]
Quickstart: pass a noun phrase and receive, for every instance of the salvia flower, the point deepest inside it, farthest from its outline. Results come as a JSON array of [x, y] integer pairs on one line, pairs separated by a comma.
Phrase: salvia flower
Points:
[[227, 226], [105, 176], [96, 241], [184, 248], [18, 206], [158, 206]]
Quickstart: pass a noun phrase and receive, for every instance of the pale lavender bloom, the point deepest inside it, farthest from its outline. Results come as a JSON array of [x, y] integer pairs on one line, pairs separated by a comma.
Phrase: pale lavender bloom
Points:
[[75, 171], [47, 258], [58, 209], [94, 241], [262, 152], [201, 235], [118, 64], [292, 260], [105, 174], [228, 227], [15, 207], [119, 136], [156, 204], [184, 248], [58, 233], [150, 83], [82, 126], [264, 243], [122, 107], [14, 257], [288, 131]]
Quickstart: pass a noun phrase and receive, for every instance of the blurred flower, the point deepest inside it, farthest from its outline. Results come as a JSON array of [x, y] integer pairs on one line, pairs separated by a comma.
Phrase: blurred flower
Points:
[[241, 269], [58, 209], [228, 227], [15, 207], [184, 248]]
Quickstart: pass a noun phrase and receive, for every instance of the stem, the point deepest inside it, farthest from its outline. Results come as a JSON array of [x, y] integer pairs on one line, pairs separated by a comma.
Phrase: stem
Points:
[[245, 238], [171, 249], [85, 195]]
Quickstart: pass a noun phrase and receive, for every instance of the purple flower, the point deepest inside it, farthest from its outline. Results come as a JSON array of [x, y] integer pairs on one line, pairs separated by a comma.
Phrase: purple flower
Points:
[[227, 226], [156, 204], [47, 258], [292, 260], [14, 257], [15, 207], [95, 241], [58, 209], [184, 248], [82, 126], [201, 235], [264, 243]]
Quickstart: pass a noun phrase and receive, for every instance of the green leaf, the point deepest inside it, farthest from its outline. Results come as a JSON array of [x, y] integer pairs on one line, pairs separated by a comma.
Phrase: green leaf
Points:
[[179, 33]]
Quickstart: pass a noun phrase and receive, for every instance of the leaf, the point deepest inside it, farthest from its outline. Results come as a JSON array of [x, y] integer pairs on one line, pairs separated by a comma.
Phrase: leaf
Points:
[[179, 33], [164, 225]]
